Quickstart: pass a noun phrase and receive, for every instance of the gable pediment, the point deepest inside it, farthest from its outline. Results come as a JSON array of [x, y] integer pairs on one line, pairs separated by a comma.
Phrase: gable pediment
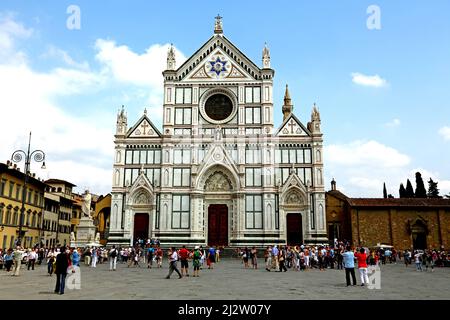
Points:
[[218, 59], [144, 128], [218, 65], [292, 126]]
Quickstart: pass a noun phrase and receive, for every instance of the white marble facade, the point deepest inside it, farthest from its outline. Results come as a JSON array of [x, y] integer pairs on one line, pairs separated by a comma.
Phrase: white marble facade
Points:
[[219, 172]]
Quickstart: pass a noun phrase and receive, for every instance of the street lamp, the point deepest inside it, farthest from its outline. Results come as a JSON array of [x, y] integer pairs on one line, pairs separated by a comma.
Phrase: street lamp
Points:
[[17, 156]]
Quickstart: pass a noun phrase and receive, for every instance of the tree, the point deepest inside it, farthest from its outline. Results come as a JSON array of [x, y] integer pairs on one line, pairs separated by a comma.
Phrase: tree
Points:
[[402, 191], [409, 190], [420, 187], [433, 191], [385, 195], [447, 196], [390, 196]]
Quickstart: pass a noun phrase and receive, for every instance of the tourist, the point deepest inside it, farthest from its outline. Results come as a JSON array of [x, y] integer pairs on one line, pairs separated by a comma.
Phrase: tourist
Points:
[[362, 266], [18, 254], [94, 257], [184, 256], [268, 258], [245, 257], [217, 255], [254, 256], [339, 259], [150, 252], [75, 256], [196, 257], [211, 257], [275, 261], [349, 265], [112, 258], [418, 260], [50, 262], [8, 259], [87, 256], [173, 258], [306, 255], [62, 264], [32, 255], [159, 257], [282, 260]]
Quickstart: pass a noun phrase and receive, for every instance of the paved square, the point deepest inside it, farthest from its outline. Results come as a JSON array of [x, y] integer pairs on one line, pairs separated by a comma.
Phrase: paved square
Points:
[[228, 281]]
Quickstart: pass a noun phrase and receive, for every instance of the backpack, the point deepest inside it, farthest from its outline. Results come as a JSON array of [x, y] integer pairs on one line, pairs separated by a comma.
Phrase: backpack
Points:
[[114, 253]]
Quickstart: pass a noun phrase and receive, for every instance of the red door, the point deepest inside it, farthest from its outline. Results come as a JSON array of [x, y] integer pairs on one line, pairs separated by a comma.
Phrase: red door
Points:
[[141, 224], [294, 229], [218, 225]]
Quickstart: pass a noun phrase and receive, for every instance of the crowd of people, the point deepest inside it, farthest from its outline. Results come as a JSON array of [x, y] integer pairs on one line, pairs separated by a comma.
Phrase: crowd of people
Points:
[[303, 258], [149, 253]]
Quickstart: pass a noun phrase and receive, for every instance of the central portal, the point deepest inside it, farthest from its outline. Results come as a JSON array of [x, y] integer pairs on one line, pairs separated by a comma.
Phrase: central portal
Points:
[[218, 225], [294, 229]]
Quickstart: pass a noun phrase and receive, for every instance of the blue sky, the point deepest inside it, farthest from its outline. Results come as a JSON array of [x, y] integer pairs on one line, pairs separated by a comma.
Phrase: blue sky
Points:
[[372, 133]]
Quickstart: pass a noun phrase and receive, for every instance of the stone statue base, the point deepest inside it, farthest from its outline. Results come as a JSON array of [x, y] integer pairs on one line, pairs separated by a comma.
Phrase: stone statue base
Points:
[[85, 234]]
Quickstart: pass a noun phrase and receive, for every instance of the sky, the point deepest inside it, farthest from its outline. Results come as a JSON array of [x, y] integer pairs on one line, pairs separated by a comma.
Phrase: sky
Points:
[[379, 71]]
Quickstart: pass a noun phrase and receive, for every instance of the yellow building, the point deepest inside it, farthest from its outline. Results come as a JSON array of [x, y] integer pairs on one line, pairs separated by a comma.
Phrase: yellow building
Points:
[[11, 195], [101, 217], [59, 212]]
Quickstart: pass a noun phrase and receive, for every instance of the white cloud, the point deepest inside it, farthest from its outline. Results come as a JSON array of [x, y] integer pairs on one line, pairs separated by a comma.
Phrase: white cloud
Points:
[[393, 123], [78, 148], [368, 81], [369, 153], [10, 32], [54, 52], [361, 167], [445, 133]]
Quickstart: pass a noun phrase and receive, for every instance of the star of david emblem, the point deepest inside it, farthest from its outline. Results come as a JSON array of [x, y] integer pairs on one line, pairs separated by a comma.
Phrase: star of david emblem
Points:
[[218, 66]]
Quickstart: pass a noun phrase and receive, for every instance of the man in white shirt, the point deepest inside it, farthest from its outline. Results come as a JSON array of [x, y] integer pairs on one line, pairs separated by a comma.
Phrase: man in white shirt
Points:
[[32, 255], [173, 258]]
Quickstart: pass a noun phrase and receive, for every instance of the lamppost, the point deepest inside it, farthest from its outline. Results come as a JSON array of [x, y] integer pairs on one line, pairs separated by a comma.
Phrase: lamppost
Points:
[[17, 156]]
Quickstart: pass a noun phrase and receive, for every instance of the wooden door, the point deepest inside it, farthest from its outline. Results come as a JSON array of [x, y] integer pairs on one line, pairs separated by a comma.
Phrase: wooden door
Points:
[[218, 225]]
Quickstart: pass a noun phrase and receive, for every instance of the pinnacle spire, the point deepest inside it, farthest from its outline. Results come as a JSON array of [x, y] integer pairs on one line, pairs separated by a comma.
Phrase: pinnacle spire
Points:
[[287, 106]]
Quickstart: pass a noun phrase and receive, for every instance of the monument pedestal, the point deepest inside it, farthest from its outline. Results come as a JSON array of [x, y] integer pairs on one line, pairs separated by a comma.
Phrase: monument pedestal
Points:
[[85, 234]]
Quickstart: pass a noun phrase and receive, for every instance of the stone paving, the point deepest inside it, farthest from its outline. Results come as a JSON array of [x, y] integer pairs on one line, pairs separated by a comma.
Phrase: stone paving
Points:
[[227, 281]]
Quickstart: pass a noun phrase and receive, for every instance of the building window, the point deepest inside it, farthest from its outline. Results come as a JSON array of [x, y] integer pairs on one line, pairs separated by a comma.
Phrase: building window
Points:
[[202, 151], [305, 175], [253, 177], [18, 192], [253, 115], [180, 211], [253, 212], [281, 175], [252, 155], [152, 156], [313, 217], [154, 175], [183, 116], [277, 212], [11, 188], [181, 177], [252, 95], [158, 210], [2, 187], [15, 218], [8, 216], [233, 152], [293, 156], [182, 156], [1, 215], [183, 95]]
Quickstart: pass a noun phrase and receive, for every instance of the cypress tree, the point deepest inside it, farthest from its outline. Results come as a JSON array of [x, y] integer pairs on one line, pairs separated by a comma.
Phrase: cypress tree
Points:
[[385, 195], [420, 187], [409, 190], [433, 191], [402, 191]]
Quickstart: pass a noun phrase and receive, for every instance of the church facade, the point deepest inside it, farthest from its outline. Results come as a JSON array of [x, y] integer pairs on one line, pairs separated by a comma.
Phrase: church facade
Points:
[[219, 172]]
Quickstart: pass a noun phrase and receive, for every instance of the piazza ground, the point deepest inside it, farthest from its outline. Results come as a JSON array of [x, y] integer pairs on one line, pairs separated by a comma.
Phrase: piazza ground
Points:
[[228, 281]]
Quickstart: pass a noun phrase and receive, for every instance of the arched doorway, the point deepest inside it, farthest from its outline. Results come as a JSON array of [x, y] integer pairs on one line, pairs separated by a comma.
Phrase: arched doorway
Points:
[[218, 225], [141, 226], [294, 229], [419, 235]]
